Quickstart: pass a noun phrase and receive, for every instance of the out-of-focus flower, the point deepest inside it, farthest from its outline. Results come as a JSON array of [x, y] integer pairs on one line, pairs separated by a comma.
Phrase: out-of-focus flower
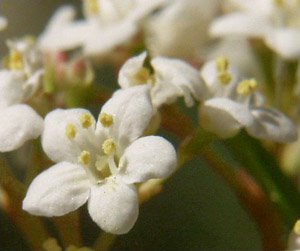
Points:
[[19, 122], [107, 24], [167, 78], [3, 23], [235, 103], [275, 21], [99, 161], [52, 245], [294, 238], [180, 29]]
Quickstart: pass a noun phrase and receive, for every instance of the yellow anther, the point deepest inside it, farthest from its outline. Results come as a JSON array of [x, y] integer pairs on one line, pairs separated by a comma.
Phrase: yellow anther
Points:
[[246, 86], [15, 60], [92, 6], [106, 119], [297, 227], [51, 245], [70, 131], [224, 77], [222, 63], [142, 75], [279, 3], [84, 158], [86, 120], [108, 146]]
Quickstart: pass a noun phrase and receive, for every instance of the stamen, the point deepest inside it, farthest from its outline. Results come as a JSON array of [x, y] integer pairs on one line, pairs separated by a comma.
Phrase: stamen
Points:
[[224, 77], [142, 75], [108, 146], [297, 227], [84, 158], [70, 131], [246, 86], [15, 60], [86, 120], [222, 63], [92, 6], [106, 119]]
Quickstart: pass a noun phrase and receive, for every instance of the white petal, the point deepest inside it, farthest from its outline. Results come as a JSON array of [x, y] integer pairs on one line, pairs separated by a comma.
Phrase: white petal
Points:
[[147, 158], [18, 123], [132, 110], [178, 73], [3, 23], [102, 39], [11, 87], [57, 145], [261, 7], [129, 69], [285, 41], [113, 205], [224, 117], [58, 190], [272, 124], [240, 23]]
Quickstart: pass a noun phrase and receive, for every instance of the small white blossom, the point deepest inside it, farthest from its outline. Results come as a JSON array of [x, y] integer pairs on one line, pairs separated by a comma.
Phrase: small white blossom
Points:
[[294, 238], [277, 22], [180, 29], [3, 23], [19, 122], [170, 79], [235, 103], [107, 24], [99, 161]]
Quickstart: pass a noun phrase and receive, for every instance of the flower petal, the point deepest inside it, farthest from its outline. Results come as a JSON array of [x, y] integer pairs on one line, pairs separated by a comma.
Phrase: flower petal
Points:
[[55, 142], [57, 191], [147, 158], [285, 41], [129, 69], [18, 123], [114, 206], [179, 74], [126, 105], [224, 117], [11, 87], [240, 23], [272, 124]]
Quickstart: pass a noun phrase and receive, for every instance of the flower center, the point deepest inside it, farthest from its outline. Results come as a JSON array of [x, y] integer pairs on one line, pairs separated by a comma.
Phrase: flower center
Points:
[[15, 60], [141, 76], [246, 86], [223, 75]]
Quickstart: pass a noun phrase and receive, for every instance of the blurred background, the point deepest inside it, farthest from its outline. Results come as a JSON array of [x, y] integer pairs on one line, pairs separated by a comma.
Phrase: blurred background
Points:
[[195, 211]]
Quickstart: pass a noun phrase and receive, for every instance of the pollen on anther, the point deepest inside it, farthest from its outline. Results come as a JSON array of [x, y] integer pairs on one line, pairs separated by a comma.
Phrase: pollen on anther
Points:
[[84, 158], [224, 77], [246, 86], [142, 75], [70, 131], [86, 120], [106, 119], [108, 146], [222, 63]]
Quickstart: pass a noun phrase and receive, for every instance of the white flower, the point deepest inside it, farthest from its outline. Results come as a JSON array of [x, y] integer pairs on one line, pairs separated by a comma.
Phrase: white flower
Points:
[[107, 24], [3, 23], [275, 21], [99, 161], [235, 103], [180, 29], [170, 79], [294, 238], [19, 122]]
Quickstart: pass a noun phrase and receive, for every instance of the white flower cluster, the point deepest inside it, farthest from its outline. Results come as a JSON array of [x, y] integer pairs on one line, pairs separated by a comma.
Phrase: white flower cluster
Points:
[[100, 160]]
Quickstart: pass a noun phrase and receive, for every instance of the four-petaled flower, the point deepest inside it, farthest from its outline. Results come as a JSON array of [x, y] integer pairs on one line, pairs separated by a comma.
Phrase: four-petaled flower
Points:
[[99, 161], [19, 122], [168, 79], [107, 24], [277, 22], [235, 103]]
